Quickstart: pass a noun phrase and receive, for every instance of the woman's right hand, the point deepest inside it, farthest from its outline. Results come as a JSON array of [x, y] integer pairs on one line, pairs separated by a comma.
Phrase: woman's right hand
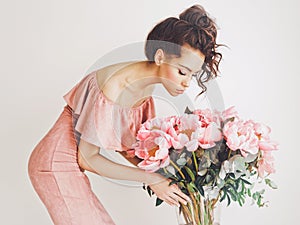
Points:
[[169, 194]]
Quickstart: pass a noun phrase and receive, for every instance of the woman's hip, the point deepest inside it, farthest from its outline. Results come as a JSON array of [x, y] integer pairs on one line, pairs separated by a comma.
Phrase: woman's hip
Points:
[[57, 150]]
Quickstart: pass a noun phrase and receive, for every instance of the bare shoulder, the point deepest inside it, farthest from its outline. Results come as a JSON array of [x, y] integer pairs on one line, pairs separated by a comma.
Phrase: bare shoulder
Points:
[[105, 74]]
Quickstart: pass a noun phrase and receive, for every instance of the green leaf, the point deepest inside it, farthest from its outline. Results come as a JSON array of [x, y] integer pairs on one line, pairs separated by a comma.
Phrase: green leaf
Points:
[[228, 200], [237, 183], [256, 195], [233, 187], [190, 173], [271, 183], [232, 195], [241, 200], [200, 188], [149, 190], [187, 110], [181, 184], [194, 187], [259, 201], [173, 182], [231, 175], [190, 187], [158, 201], [243, 187], [245, 181], [224, 194], [249, 192]]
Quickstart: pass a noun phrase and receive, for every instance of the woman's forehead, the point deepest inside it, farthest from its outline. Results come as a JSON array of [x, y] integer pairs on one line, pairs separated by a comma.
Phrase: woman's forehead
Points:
[[190, 58]]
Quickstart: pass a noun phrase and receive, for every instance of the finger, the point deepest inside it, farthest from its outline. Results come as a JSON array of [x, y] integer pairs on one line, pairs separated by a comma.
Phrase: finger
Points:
[[181, 194], [177, 198], [172, 201]]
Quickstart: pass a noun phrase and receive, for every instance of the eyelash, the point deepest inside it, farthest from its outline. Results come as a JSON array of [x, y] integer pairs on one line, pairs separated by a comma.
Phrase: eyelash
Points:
[[181, 73]]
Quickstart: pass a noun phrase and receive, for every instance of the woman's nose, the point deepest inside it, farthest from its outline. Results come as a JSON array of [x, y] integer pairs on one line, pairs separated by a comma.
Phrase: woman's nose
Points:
[[186, 82]]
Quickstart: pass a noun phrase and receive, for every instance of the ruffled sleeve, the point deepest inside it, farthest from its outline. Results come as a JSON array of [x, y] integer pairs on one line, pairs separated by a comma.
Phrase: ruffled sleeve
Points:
[[101, 122], [82, 99]]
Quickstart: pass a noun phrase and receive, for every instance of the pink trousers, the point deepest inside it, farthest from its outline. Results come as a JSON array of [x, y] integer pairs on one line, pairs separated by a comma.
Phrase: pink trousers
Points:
[[56, 177]]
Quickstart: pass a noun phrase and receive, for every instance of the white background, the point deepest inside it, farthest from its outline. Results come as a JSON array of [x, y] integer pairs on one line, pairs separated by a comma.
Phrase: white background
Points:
[[47, 46]]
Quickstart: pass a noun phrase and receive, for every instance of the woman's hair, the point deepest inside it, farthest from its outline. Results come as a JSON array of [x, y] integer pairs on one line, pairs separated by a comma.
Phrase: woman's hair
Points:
[[193, 27]]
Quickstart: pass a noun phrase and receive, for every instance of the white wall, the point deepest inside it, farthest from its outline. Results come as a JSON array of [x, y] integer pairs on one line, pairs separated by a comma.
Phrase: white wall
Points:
[[47, 46]]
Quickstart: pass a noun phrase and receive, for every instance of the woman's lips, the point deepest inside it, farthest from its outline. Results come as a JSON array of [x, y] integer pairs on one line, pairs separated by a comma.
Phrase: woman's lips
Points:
[[179, 91]]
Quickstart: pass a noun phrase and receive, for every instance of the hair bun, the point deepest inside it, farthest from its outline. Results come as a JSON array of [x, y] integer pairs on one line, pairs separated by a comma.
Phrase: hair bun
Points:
[[196, 16]]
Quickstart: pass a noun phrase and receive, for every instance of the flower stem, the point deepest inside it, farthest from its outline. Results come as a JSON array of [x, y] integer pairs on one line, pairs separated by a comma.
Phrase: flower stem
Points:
[[194, 206], [165, 170], [195, 161], [177, 168], [186, 213], [229, 153]]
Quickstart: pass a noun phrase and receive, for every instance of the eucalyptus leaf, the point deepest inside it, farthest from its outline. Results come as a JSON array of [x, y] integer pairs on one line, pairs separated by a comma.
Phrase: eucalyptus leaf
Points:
[[271, 183], [220, 183], [208, 178], [204, 162], [202, 172], [181, 161], [171, 170], [250, 157]]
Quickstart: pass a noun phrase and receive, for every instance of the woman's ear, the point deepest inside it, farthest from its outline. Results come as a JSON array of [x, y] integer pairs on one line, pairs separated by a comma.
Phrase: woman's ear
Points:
[[159, 57]]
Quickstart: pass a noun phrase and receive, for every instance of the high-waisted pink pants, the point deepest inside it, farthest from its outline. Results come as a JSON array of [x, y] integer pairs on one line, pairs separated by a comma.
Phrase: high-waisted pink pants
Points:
[[58, 180]]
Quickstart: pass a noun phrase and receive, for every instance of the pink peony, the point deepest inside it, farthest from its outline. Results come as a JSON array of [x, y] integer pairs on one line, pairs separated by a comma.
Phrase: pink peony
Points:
[[151, 165], [189, 141], [183, 132], [229, 113], [206, 116], [266, 164], [268, 145], [193, 132], [153, 145], [209, 135], [262, 131], [155, 141], [188, 122], [240, 135]]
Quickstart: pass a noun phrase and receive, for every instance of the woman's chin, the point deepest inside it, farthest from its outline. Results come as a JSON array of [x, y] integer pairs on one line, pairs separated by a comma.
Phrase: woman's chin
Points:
[[174, 94]]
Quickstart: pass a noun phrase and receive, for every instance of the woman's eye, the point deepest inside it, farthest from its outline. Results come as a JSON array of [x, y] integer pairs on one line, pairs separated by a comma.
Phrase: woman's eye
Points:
[[181, 73]]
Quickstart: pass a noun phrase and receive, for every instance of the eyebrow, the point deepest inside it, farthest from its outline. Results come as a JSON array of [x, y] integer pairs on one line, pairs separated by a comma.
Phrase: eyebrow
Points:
[[188, 68]]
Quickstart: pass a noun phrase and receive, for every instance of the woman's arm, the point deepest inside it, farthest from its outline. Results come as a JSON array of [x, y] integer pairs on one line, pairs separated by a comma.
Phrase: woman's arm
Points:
[[133, 160], [90, 159]]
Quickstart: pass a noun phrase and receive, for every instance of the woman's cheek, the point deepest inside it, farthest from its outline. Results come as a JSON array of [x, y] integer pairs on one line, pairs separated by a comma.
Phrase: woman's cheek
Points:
[[171, 75]]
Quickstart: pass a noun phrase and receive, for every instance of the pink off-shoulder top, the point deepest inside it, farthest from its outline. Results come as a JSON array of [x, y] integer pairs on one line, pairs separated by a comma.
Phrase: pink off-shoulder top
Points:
[[101, 122]]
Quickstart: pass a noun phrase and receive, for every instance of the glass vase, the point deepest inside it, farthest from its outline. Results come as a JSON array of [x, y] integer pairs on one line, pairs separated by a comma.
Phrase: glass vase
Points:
[[199, 211]]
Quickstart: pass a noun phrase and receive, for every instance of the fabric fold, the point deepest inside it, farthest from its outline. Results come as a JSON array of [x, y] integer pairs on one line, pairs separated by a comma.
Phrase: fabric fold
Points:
[[101, 122]]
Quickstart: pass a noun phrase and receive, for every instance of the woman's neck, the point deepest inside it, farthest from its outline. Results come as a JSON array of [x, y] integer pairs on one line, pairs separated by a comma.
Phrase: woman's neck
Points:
[[140, 75]]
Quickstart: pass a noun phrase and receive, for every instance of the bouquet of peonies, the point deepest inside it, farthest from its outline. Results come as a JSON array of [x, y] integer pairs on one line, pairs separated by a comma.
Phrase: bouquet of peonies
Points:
[[210, 155]]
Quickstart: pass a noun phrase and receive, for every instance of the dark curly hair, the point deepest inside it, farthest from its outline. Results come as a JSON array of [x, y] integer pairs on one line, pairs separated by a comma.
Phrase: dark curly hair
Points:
[[193, 27]]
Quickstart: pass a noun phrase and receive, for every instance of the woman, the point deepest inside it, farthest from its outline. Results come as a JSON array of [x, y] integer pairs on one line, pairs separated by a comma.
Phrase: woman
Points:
[[105, 110]]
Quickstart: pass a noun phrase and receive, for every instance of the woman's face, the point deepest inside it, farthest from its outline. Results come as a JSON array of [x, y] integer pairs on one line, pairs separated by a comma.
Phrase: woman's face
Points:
[[176, 72]]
